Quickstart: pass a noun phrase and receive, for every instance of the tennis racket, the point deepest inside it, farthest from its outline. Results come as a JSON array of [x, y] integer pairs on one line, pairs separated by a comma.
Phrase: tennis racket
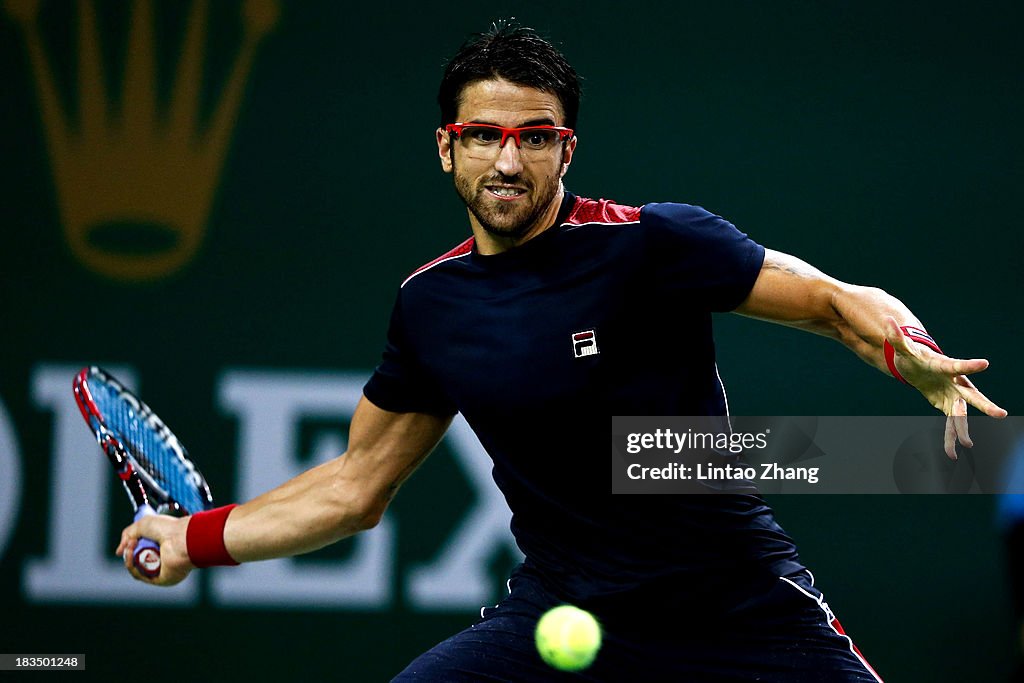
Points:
[[150, 461]]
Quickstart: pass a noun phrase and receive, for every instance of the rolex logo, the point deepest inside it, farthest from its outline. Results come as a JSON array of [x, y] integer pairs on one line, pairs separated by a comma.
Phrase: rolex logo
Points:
[[135, 180]]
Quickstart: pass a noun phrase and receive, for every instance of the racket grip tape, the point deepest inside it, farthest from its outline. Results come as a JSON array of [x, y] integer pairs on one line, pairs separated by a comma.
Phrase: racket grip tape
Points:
[[147, 553]]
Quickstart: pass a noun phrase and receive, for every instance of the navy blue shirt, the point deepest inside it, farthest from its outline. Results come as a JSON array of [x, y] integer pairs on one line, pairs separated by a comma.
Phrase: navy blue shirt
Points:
[[608, 312]]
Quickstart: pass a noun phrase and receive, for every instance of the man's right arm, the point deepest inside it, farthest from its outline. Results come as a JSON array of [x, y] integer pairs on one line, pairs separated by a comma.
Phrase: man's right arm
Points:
[[320, 506]]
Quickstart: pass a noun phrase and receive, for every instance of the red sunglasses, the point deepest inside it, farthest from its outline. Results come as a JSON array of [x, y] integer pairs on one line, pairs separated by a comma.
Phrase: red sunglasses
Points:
[[538, 137]]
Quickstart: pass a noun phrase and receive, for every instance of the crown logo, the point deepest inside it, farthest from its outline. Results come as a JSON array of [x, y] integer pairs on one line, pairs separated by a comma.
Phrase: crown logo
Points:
[[135, 185]]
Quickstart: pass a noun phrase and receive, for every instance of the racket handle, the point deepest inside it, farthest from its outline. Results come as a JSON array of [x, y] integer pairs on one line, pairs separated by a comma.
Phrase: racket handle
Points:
[[147, 552]]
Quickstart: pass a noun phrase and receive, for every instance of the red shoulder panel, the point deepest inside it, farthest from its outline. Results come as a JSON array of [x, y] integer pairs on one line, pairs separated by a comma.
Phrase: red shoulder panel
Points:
[[458, 251], [601, 211]]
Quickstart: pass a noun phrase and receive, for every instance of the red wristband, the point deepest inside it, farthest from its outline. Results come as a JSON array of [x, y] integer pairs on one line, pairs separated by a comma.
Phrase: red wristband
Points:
[[914, 334], [204, 538]]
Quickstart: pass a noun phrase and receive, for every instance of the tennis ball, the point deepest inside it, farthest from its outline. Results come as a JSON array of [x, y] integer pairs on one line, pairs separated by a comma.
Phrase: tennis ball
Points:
[[568, 638]]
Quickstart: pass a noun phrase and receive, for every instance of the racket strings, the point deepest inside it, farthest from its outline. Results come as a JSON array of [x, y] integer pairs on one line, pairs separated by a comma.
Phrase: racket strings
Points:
[[149, 443]]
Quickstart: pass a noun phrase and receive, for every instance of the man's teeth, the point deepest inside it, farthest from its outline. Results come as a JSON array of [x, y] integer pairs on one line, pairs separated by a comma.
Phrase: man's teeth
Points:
[[506, 191]]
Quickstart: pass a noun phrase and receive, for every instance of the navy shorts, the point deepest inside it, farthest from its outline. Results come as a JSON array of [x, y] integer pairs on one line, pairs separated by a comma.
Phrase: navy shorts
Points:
[[787, 634]]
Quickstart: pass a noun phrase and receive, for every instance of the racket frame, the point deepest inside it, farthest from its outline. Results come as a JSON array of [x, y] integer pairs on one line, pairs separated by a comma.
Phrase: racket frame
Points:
[[145, 493]]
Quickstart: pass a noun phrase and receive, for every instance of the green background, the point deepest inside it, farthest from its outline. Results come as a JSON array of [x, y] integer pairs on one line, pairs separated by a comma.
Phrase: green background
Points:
[[880, 143]]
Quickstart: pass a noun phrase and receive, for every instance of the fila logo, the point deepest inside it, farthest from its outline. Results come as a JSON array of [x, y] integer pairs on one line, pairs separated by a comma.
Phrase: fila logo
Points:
[[584, 344]]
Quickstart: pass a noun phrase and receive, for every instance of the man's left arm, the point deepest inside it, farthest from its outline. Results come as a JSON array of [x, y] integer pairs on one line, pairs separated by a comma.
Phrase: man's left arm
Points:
[[791, 292]]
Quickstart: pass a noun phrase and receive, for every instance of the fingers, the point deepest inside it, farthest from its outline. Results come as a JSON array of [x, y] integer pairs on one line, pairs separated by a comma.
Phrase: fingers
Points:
[[937, 377], [896, 338], [949, 438], [959, 418], [956, 429], [961, 366], [932, 373], [169, 534], [905, 346], [130, 537], [977, 399]]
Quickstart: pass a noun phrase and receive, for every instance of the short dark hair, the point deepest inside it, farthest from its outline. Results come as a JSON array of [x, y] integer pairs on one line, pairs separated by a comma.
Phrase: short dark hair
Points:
[[518, 55]]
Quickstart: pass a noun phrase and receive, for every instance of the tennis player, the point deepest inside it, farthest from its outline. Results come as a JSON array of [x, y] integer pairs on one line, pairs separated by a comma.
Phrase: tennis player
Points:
[[559, 312]]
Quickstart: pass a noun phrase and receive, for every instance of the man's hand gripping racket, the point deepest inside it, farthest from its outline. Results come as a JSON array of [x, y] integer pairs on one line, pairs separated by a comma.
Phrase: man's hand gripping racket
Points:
[[151, 463]]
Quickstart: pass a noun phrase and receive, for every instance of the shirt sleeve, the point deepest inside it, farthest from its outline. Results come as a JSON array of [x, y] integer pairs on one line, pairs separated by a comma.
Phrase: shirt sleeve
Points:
[[399, 383], [695, 253]]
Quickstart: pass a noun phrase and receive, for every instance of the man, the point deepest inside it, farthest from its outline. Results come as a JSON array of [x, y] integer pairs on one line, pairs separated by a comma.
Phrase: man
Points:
[[539, 329]]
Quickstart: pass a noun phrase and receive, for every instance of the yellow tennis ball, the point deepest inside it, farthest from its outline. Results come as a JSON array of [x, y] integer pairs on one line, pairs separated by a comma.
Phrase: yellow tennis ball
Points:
[[568, 638]]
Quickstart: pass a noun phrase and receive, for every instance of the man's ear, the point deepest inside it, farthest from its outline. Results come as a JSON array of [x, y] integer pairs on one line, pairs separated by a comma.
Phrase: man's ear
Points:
[[444, 149], [567, 151]]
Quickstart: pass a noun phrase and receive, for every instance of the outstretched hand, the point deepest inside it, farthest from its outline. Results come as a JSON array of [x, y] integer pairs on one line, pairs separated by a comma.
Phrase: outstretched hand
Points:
[[943, 381]]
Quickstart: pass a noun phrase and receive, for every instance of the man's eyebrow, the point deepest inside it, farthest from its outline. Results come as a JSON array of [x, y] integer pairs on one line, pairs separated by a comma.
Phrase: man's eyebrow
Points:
[[532, 122]]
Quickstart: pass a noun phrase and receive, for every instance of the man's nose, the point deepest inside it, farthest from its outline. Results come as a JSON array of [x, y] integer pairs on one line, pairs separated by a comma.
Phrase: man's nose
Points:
[[510, 158]]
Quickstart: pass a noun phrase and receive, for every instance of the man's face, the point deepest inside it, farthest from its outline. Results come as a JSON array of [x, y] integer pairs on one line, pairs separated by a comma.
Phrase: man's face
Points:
[[509, 194]]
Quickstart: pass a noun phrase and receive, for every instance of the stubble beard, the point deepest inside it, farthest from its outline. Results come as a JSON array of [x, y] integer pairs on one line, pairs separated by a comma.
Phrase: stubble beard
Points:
[[508, 221]]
